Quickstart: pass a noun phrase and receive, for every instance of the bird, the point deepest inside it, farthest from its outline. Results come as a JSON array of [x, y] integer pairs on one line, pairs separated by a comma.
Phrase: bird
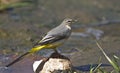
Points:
[[53, 39]]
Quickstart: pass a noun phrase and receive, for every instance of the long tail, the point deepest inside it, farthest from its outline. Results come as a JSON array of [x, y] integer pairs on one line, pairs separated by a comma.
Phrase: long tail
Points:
[[34, 49], [17, 59]]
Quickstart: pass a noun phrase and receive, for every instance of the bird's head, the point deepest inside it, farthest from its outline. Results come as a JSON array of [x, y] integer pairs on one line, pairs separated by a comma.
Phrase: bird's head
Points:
[[68, 21]]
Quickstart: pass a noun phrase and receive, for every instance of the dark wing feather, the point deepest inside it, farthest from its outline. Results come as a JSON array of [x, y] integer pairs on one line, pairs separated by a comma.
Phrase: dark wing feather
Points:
[[51, 39]]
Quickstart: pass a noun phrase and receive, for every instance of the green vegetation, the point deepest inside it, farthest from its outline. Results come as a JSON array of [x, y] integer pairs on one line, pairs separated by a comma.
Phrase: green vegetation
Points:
[[13, 5], [114, 63]]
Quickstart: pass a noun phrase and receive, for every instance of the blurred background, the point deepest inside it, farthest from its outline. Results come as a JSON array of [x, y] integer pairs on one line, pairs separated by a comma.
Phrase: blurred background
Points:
[[23, 22]]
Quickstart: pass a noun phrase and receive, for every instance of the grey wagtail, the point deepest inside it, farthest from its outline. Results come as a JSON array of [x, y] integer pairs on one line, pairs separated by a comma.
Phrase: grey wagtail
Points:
[[54, 38]]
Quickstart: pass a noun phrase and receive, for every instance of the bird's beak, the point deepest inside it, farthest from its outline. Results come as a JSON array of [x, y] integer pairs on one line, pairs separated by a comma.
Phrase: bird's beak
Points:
[[74, 21]]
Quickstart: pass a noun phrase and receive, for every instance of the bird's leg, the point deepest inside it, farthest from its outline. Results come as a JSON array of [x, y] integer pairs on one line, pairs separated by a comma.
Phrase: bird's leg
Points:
[[55, 50], [57, 54]]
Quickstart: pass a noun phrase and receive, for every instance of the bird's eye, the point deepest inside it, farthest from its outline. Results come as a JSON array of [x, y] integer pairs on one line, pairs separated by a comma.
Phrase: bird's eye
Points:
[[69, 21]]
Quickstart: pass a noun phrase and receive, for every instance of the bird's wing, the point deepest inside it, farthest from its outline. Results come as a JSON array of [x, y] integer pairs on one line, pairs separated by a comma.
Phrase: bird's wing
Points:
[[54, 35], [50, 39]]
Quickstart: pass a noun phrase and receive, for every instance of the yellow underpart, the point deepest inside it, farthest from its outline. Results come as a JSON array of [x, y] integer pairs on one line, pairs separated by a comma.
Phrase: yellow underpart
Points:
[[48, 46]]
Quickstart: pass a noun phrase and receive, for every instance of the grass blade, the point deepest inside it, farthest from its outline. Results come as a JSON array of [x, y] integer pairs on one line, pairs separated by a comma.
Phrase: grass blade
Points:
[[115, 66]]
